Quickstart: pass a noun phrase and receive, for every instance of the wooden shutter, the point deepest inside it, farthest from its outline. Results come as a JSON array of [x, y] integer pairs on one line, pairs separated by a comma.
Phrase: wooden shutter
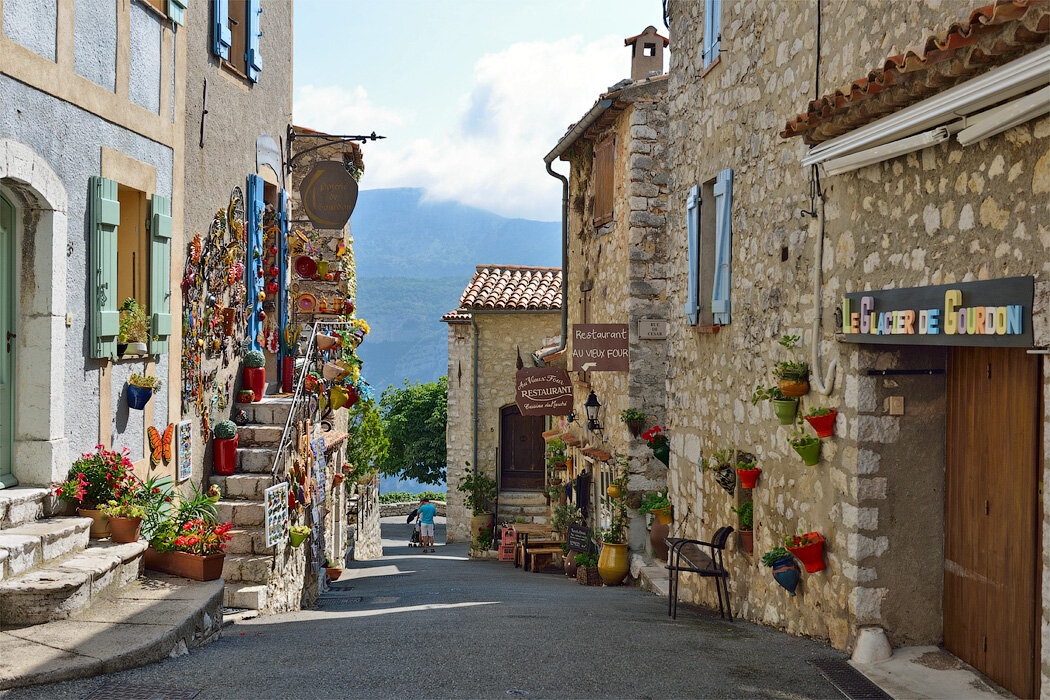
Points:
[[283, 208], [253, 258], [723, 246], [252, 56], [104, 321], [160, 273], [692, 225], [222, 39], [177, 11], [604, 160], [712, 30]]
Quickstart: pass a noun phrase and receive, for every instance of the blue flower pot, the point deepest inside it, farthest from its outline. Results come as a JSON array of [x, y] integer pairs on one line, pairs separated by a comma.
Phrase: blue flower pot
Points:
[[785, 572], [138, 397]]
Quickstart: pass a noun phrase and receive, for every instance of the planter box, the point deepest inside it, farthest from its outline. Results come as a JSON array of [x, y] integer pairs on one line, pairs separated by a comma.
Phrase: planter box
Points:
[[191, 566]]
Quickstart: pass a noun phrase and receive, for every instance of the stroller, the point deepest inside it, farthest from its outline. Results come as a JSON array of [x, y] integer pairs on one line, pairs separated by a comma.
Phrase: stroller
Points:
[[415, 540]]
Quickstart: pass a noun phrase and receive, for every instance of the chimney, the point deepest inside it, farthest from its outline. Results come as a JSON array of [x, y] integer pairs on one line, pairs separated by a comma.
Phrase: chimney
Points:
[[647, 53]]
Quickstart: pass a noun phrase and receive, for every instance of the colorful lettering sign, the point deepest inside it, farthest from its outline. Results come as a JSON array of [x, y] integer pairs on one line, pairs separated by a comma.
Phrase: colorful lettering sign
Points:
[[543, 391], [989, 313], [600, 347]]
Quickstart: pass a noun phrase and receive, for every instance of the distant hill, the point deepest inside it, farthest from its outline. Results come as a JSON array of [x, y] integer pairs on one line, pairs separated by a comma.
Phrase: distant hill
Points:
[[414, 259]]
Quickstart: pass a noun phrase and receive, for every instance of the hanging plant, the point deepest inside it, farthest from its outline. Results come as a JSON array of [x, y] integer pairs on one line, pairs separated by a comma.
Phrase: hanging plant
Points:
[[807, 446], [784, 407], [823, 420], [721, 463], [748, 473]]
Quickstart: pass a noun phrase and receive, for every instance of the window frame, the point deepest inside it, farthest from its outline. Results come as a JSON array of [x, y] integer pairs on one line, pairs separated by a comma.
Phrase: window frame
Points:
[[604, 176], [712, 35]]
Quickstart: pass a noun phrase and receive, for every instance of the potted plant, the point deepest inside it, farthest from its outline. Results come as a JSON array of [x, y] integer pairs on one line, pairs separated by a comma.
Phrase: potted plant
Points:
[[658, 443], [482, 541], [297, 534], [97, 478], [807, 446], [193, 550], [746, 511], [125, 518], [224, 447], [792, 377], [479, 493], [822, 419], [140, 390], [634, 419], [613, 562], [721, 463], [785, 570], [748, 473], [809, 548], [254, 375], [554, 454], [660, 507], [587, 570], [133, 331], [325, 341], [784, 407]]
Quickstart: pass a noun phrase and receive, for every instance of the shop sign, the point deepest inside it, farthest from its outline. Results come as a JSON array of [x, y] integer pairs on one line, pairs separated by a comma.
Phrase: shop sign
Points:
[[543, 391], [579, 539], [988, 313], [329, 195], [600, 347], [652, 329]]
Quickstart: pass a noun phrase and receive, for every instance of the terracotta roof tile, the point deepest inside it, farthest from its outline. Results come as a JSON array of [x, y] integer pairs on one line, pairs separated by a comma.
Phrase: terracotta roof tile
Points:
[[991, 36], [456, 316], [513, 288]]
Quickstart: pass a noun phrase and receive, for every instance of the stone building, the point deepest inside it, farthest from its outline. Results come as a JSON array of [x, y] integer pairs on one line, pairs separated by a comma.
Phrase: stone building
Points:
[[616, 273], [888, 189], [504, 313]]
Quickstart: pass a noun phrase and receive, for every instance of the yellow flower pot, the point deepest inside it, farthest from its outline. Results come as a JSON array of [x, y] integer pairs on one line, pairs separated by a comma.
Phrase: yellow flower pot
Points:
[[613, 563]]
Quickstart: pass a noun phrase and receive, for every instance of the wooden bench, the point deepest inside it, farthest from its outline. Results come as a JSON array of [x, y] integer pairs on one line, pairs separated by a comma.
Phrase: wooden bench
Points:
[[688, 556], [540, 556]]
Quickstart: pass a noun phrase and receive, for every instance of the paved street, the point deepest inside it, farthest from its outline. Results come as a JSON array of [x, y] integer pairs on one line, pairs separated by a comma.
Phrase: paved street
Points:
[[415, 625]]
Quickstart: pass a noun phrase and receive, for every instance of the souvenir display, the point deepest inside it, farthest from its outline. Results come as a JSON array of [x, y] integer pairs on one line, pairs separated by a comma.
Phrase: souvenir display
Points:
[[184, 449], [276, 522]]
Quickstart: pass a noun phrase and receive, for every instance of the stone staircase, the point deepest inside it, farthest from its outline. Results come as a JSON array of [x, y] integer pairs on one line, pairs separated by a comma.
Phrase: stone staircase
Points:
[[49, 569], [530, 505], [249, 561]]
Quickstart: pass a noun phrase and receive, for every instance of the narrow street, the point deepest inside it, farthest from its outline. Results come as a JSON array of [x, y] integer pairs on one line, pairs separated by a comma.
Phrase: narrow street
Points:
[[414, 625]]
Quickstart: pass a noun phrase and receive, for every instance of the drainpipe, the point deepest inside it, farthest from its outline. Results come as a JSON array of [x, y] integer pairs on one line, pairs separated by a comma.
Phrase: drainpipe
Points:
[[474, 391], [818, 282]]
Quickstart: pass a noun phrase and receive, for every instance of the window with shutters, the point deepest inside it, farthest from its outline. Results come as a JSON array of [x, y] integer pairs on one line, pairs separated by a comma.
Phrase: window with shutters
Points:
[[604, 180], [712, 31], [709, 227], [132, 247], [236, 36]]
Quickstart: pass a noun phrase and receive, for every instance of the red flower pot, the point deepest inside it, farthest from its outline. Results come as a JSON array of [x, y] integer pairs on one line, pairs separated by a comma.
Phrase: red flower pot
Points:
[[748, 477], [811, 555], [747, 540], [824, 425], [192, 566], [287, 370], [351, 397], [255, 379], [224, 455]]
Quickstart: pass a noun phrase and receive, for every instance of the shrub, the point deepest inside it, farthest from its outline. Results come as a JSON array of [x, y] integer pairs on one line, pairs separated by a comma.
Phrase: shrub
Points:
[[145, 382], [134, 327], [225, 429], [254, 359]]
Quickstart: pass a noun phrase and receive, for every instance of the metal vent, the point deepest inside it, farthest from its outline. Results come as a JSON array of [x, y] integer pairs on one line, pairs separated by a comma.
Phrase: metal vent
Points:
[[849, 681], [128, 691]]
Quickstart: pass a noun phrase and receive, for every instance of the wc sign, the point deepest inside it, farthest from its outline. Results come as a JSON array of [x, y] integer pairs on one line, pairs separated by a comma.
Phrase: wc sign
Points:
[[600, 347]]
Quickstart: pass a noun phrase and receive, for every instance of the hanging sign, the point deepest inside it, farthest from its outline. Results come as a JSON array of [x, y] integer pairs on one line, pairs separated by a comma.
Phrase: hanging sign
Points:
[[328, 194], [989, 313], [543, 391], [600, 347]]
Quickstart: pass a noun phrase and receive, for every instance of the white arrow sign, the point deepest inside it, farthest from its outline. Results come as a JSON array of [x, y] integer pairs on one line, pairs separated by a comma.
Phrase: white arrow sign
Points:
[[588, 366]]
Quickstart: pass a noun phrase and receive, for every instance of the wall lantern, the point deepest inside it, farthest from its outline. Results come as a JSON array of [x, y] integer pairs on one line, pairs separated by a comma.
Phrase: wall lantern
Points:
[[592, 407]]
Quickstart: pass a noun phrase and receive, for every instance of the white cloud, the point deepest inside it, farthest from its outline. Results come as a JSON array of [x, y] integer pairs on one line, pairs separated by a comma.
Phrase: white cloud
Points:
[[520, 103]]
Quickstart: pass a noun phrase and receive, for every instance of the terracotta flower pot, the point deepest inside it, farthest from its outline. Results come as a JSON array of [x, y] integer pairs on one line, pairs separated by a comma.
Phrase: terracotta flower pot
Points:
[[99, 523], [824, 425], [326, 342], [191, 566], [785, 410], [125, 530], [793, 387], [747, 540], [657, 533], [333, 572], [337, 479], [224, 455], [613, 563], [332, 371], [635, 426], [570, 563], [255, 379], [748, 477], [811, 555]]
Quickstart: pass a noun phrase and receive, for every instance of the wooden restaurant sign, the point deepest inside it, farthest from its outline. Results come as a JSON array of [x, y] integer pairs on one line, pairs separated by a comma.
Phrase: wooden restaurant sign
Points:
[[600, 347], [328, 194], [543, 391], [989, 313]]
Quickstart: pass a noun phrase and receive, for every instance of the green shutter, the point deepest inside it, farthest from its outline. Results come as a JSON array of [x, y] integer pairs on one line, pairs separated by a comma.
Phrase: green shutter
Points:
[[104, 320], [160, 274]]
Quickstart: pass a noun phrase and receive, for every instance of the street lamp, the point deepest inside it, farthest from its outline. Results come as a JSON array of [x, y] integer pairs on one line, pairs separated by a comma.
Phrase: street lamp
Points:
[[592, 407]]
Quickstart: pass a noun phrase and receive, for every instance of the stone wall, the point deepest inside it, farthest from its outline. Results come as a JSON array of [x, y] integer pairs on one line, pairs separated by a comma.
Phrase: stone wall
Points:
[[459, 431], [944, 214], [389, 510], [368, 538]]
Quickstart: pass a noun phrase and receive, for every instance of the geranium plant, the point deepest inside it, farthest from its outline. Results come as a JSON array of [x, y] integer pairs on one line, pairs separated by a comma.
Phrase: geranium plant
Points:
[[202, 538], [658, 443], [97, 477]]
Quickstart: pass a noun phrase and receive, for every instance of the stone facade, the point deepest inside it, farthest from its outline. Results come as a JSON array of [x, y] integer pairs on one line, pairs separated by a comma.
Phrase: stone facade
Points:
[[944, 214]]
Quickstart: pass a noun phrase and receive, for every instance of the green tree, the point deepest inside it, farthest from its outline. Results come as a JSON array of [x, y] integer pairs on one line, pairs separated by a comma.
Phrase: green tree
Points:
[[414, 417], [367, 446]]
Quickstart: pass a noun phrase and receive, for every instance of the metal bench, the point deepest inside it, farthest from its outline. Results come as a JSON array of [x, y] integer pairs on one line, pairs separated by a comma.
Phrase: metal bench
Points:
[[688, 556]]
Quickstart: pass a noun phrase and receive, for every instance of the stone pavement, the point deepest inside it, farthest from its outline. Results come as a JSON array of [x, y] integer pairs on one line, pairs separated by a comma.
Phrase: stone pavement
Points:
[[439, 625]]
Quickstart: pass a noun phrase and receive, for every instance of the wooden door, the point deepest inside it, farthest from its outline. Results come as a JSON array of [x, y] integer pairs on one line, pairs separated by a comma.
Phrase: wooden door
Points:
[[521, 450], [7, 342], [991, 544]]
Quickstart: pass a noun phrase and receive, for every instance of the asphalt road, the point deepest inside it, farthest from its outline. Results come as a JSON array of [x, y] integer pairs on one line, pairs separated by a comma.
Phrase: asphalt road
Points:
[[439, 625]]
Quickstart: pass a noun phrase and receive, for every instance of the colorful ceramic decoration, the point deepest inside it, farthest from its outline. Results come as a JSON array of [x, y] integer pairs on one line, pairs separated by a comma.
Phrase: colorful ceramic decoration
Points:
[[276, 520], [184, 449], [305, 266], [306, 302]]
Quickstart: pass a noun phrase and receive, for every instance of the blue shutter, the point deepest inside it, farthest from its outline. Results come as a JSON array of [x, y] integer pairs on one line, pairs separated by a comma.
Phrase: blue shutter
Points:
[[104, 321], [712, 30], [723, 246], [160, 273], [254, 258], [222, 40], [252, 56], [177, 11], [692, 225], [282, 263]]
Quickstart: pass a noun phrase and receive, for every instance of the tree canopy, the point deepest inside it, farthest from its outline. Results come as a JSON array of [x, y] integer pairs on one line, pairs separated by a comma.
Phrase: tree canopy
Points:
[[414, 417], [367, 445]]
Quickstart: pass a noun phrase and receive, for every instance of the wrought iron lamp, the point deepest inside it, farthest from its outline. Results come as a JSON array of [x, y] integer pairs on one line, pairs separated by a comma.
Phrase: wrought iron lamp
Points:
[[592, 407]]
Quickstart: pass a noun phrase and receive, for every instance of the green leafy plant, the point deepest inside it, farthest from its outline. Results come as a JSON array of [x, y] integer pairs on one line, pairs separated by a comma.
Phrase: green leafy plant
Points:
[[134, 327], [629, 414], [123, 509], [818, 411], [719, 460], [746, 511], [789, 341], [480, 490], [586, 560], [554, 489], [483, 540], [565, 514], [796, 371], [616, 533], [414, 423], [801, 540], [225, 430], [145, 382], [98, 477], [798, 437], [654, 501], [772, 556], [746, 465], [770, 393], [406, 497], [254, 359], [157, 497], [554, 452]]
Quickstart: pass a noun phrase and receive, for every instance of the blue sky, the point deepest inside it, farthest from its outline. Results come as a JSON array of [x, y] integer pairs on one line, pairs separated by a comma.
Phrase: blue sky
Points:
[[471, 93]]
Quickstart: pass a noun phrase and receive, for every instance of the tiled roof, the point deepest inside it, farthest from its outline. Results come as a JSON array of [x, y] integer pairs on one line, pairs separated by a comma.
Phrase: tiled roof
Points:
[[457, 316], [992, 36], [513, 288]]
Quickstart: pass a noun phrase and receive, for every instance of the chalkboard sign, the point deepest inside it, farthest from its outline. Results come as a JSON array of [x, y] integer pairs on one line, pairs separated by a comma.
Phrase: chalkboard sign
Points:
[[580, 539]]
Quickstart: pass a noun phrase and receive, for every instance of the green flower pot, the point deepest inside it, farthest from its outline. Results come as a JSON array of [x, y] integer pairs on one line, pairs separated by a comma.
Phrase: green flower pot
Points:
[[297, 538], [785, 410], [663, 453], [810, 453]]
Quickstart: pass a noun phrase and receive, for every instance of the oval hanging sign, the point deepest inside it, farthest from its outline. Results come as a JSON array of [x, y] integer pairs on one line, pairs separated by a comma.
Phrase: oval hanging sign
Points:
[[328, 194], [543, 391]]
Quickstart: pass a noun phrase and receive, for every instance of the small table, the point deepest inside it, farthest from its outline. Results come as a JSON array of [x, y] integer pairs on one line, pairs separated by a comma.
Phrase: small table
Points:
[[522, 531]]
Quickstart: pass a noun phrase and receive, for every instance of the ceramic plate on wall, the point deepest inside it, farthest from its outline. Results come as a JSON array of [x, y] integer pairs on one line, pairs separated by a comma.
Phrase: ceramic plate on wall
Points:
[[306, 301], [306, 266]]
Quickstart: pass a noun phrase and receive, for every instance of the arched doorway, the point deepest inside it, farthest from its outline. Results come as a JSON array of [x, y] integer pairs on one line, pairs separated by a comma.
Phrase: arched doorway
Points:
[[7, 347], [521, 450]]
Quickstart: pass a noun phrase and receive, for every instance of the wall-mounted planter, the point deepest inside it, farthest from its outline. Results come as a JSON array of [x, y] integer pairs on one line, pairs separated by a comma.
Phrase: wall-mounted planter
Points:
[[663, 453], [792, 386], [809, 452], [748, 477], [824, 425], [747, 540], [785, 410], [635, 426], [785, 572], [326, 342], [811, 555], [138, 396]]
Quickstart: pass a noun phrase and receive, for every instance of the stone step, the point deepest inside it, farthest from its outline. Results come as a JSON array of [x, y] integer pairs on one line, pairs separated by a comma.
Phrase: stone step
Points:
[[244, 595], [522, 498], [241, 512], [255, 460], [248, 541], [511, 511], [37, 542], [246, 568], [249, 487], [23, 504], [58, 589], [257, 435], [269, 411]]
